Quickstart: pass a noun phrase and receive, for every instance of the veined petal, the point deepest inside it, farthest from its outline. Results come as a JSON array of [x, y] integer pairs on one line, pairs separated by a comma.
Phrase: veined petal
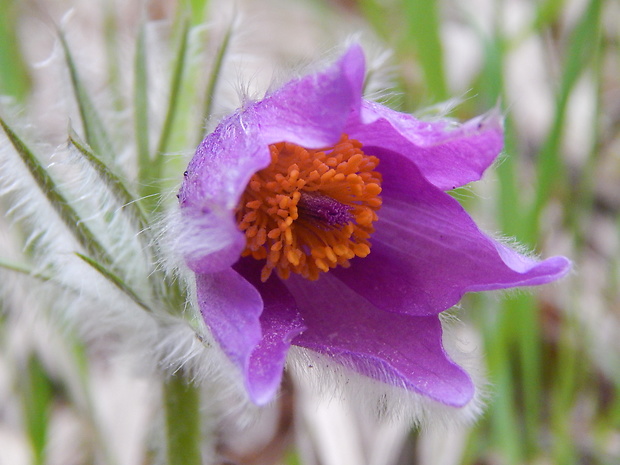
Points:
[[394, 348], [280, 323], [427, 252], [448, 156]]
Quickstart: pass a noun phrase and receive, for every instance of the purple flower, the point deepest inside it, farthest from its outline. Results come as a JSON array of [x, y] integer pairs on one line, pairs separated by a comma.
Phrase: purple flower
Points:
[[316, 218]]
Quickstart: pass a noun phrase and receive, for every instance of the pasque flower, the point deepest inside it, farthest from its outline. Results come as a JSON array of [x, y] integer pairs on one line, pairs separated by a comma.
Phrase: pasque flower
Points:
[[317, 218]]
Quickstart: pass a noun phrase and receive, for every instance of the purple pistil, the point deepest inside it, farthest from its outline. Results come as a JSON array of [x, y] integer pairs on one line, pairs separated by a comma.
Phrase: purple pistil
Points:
[[325, 212]]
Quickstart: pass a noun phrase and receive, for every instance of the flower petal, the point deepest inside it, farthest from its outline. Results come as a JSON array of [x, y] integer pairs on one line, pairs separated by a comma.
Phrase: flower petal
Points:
[[397, 349], [280, 323], [209, 241], [427, 251], [312, 111], [448, 156], [231, 308]]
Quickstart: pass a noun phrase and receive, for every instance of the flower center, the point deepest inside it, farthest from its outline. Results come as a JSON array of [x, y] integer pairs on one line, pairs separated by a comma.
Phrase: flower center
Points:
[[310, 210]]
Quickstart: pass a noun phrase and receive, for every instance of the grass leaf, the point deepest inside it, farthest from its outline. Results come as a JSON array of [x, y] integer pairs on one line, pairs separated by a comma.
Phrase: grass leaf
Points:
[[141, 111], [36, 389], [94, 129], [583, 45], [114, 183], [214, 79], [152, 184], [175, 87], [423, 31], [114, 279], [14, 78], [61, 205]]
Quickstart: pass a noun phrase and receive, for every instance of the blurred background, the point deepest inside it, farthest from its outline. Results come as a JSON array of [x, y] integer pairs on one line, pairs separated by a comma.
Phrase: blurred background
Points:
[[552, 356]]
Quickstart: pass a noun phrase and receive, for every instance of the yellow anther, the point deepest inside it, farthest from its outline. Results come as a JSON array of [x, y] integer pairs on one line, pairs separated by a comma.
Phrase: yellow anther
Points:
[[254, 204], [274, 233], [373, 189], [361, 250], [329, 253], [321, 265]]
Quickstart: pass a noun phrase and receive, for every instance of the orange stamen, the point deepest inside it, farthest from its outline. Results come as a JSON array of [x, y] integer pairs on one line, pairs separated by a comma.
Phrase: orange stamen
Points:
[[310, 210]]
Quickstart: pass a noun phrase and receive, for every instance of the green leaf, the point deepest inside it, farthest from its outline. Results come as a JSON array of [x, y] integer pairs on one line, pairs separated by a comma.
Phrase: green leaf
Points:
[[423, 31], [376, 13], [14, 77], [20, 268], [61, 205], [547, 12], [114, 183], [152, 185], [214, 78], [582, 48], [114, 279], [198, 9], [94, 129], [141, 111], [111, 40], [175, 87], [36, 390]]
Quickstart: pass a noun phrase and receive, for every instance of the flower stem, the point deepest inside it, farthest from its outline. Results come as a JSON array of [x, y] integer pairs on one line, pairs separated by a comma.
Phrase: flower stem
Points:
[[183, 429]]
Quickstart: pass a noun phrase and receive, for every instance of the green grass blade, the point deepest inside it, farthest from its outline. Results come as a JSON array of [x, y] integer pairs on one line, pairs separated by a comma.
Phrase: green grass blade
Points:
[[111, 41], [505, 432], [141, 111], [118, 282], [566, 386], [375, 13], [175, 88], [82, 397], [36, 390], [14, 77], [547, 12], [582, 48], [584, 195], [423, 31], [27, 271], [94, 129], [152, 184], [214, 79], [19, 268], [114, 183], [130, 205], [63, 208], [198, 10], [522, 329]]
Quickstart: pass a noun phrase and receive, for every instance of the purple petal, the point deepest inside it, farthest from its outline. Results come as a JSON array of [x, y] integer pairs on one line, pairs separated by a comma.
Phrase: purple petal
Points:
[[280, 323], [231, 308], [397, 349], [209, 240], [427, 251], [214, 180], [311, 111], [255, 337], [448, 156]]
